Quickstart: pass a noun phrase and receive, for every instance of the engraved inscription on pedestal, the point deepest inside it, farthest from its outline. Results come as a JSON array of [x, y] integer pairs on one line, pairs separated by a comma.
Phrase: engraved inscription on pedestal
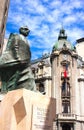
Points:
[[23, 109], [41, 118]]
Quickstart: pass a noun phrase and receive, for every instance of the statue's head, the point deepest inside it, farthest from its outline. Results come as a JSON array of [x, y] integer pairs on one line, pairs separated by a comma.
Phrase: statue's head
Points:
[[24, 30]]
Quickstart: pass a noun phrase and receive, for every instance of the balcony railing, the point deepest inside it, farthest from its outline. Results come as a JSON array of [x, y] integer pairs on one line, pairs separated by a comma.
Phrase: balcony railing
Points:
[[65, 94], [66, 116]]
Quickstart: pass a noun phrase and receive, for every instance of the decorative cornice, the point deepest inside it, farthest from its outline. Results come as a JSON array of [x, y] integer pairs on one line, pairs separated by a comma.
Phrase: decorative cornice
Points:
[[43, 79], [56, 53], [75, 55], [80, 79], [64, 62], [53, 55]]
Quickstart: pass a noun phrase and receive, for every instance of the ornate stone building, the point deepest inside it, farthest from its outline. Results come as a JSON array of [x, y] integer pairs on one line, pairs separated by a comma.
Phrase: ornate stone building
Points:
[[42, 72], [61, 75], [4, 5]]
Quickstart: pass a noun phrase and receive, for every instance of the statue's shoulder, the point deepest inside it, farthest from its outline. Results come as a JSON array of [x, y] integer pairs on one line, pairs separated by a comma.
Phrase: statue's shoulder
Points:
[[12, 36], [15, 36], [11, 40]]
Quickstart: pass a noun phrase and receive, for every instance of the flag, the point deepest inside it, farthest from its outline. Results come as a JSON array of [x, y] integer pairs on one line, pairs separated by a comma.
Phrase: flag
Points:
[[65, 74], [65, 71]]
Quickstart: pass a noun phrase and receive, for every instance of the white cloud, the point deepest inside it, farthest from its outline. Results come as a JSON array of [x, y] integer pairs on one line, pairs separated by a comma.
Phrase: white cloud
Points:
[[44, 19], [75, 33]]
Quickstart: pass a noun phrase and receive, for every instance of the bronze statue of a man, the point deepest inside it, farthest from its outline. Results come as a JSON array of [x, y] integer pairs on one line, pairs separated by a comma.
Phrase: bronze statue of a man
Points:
[[15, 71]]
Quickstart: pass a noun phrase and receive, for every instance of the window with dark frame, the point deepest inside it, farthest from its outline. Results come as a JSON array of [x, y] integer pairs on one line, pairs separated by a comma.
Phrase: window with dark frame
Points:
[[65, 106], [65, 89]]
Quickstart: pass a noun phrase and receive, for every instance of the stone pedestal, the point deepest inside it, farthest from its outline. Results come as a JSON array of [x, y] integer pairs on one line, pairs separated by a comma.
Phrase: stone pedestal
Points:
[[26, 110]]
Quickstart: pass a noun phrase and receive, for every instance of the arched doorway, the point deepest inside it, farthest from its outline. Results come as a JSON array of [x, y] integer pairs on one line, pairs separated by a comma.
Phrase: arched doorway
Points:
[[66, 127]]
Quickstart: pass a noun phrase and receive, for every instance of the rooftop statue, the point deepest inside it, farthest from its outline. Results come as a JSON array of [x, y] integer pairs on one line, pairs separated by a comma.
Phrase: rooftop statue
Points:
[[15, 71]]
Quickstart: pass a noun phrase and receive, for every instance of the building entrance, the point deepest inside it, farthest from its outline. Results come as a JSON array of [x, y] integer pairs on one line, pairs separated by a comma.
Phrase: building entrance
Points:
[[66, 127]]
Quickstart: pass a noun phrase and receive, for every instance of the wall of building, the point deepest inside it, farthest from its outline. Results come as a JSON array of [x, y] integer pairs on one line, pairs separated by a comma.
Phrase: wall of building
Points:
[[80, 47], [4, 5], [79, 126]]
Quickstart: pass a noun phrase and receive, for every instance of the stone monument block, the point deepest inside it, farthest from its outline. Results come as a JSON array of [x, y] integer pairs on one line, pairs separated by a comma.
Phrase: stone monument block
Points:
[[23, 109]]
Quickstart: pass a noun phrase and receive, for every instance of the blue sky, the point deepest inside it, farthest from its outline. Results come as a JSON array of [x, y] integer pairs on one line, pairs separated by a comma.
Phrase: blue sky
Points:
[[44, 19]]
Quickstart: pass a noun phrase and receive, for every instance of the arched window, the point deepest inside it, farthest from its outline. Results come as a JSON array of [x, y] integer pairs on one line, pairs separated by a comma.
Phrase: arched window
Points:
[[65, 88], [42, 88]]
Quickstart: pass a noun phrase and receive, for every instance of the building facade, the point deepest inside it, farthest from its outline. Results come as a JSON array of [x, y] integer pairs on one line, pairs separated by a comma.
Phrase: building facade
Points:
[[61, 75], [41, 69], [4, 5], [80, 47]]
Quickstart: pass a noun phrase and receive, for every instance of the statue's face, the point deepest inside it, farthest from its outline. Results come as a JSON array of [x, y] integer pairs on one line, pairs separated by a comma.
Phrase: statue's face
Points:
[[24, 31]]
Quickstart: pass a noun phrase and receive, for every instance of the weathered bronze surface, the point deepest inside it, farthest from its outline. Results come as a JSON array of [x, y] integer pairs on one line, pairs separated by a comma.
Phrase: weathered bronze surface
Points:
[[15, 71]]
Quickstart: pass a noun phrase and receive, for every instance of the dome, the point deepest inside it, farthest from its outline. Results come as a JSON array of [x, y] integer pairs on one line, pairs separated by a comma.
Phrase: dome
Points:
[[62, 42]]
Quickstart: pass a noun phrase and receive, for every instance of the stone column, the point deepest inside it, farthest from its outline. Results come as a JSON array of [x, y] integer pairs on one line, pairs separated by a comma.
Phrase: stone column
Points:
[[54, 125], [81, 126], [71, 127], [46, 87], [74, 126], [59, 128]]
